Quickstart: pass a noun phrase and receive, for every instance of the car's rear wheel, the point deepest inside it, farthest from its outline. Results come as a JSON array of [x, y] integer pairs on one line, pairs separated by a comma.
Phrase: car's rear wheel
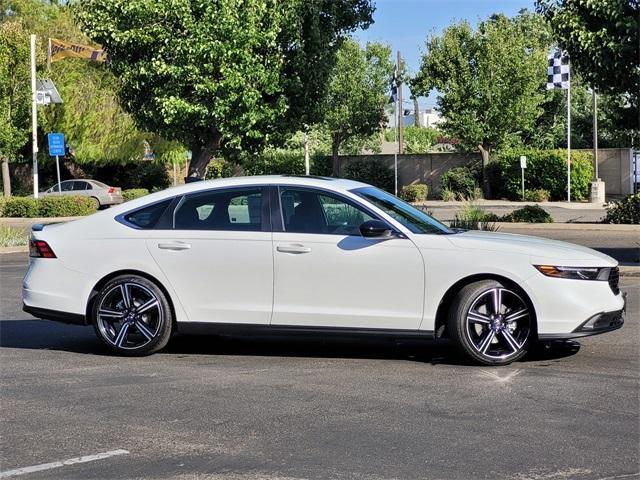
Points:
[[491, 323], [131, 315], [96, 202]]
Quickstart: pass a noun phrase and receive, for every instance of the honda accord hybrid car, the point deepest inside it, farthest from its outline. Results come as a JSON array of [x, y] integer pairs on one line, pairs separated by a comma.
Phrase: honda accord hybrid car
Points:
[[312, 255]]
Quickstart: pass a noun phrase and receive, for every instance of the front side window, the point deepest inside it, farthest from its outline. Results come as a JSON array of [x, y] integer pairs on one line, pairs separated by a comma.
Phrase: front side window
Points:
[[309, 211], [237, 209], [415, 220]]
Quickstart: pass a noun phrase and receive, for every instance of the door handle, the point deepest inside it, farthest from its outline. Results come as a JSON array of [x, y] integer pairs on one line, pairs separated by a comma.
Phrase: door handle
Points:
[[174, 246], [293, 249]]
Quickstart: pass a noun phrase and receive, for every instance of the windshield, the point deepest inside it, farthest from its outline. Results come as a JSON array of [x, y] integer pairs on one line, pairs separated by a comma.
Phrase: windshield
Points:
[[415, 220]]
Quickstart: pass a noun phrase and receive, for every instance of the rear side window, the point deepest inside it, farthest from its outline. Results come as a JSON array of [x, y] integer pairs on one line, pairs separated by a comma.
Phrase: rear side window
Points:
[[237, 209], [146, 217]]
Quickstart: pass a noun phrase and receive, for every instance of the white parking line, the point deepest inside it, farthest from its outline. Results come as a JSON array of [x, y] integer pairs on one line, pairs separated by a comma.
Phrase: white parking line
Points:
[[61, 463]]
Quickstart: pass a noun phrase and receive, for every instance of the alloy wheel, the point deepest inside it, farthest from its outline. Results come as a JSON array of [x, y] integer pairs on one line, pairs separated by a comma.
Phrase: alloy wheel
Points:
[[498, 324], [129, 316]]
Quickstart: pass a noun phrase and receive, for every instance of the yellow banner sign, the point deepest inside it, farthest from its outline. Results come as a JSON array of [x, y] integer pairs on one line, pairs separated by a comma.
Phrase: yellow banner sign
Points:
[[61, 50]]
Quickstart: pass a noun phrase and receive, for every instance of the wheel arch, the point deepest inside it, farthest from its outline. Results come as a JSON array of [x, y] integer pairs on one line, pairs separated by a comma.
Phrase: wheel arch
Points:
[[447, 299], [96, 288]]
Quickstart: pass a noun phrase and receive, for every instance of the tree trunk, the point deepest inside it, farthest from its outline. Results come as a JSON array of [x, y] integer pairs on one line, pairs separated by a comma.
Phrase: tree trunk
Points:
[[201, 155], [416, 112], [335, 147], [6, 180], [486, 188]]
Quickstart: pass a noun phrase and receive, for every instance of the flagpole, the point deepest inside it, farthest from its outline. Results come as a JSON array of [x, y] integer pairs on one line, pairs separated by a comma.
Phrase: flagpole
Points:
[[34, 117], [569, 135]]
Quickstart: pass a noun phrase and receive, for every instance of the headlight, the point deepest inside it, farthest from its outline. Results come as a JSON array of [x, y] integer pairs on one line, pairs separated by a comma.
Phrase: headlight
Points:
[[575, 273]]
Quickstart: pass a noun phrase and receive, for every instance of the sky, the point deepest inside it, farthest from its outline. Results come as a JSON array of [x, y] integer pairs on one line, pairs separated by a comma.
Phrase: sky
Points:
[[405, 24]]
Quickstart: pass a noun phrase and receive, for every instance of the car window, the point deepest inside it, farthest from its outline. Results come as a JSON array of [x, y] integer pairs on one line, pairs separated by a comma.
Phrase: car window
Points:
[[80, 185], [415, 220], [311, 211], [99, 184], [67, 186], [237, 209], [147, 217]]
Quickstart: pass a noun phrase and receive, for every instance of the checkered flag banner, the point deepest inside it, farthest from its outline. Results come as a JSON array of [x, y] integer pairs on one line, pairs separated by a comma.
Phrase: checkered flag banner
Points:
[[558, 70]]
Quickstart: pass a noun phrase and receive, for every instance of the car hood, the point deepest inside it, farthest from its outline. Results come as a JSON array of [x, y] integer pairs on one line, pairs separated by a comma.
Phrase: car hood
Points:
[[540, 250]]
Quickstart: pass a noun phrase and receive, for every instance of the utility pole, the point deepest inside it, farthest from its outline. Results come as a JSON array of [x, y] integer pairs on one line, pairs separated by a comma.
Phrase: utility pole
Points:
[[401, 108], [34, 117], [306, 150]]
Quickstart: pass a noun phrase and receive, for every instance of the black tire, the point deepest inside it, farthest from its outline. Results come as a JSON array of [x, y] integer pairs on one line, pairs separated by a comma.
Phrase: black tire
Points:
[[135, 327], [485, 336], [97, 203]]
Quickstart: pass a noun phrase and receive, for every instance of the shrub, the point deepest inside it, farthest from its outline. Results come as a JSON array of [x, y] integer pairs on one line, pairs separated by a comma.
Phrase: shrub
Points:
[[24, 207], [371, 172], [447, 195], [536, 195], [219, 168], [134, 193], [461, 181], [66, 206], [472, 217], [529, 214], [626, 210], [546, 169], [12, 237], [414, 193], [140, 174], [274, 162], [3, 200]]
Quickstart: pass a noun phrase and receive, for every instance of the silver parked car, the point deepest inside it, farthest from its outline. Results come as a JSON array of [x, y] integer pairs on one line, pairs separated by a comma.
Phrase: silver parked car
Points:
[[102, 194]]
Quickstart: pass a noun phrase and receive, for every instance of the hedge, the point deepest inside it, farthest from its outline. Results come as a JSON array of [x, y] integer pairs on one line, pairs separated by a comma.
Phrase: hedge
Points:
[[546, 169], [65, 206], [416, 192], [371, 172], [133, 193]]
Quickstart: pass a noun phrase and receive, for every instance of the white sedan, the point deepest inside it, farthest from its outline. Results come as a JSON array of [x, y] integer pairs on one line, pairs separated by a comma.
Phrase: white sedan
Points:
[[291, 254]]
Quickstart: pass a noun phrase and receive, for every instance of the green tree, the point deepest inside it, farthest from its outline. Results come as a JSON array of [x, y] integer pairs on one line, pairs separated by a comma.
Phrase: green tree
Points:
[[15, 95], [489, 79], [358, 93], [603, 41], [221, 75], [94, 124], [416, 139]]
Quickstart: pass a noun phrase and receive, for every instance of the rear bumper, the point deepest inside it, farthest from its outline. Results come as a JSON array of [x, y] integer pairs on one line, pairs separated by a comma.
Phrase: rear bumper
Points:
[[55, 315]]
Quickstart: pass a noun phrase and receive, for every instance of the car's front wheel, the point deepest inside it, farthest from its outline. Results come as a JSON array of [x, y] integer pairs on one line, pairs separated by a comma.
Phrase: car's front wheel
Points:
[[131, 315], [491, 323]]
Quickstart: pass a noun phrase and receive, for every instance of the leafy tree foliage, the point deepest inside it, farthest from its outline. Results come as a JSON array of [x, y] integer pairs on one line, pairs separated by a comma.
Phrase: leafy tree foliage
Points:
[[416, 139], [357, 94], [225, 74], [490, 79], [14, 95], [603, 41]]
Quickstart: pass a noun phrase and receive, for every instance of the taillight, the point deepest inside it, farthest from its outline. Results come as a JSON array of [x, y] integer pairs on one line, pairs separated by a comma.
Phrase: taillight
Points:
[[40, 249], [112, 190]]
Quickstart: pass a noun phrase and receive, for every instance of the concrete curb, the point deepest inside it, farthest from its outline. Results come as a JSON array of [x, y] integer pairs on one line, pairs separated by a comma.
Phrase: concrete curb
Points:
[[20, 249], [606, 227]]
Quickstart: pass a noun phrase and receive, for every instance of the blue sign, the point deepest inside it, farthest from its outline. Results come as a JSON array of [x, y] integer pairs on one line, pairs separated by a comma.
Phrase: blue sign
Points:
[[56, 144]]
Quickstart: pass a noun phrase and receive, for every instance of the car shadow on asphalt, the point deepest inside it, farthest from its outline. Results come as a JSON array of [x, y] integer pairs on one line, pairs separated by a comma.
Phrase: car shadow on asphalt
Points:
[[45, 335]]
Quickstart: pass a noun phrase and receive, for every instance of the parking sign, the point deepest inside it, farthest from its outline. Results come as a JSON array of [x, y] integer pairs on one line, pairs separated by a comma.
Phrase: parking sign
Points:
[[56, 144]]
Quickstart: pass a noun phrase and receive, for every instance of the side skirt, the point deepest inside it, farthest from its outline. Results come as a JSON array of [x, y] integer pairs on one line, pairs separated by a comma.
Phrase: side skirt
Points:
[[206, 328]]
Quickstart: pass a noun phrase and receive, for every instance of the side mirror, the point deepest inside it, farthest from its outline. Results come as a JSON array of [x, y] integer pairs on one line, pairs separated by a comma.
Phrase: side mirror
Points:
[[375, 229]]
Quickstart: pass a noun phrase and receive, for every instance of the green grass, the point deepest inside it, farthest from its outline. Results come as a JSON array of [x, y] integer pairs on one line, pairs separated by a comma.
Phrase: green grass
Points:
[[12, 237]]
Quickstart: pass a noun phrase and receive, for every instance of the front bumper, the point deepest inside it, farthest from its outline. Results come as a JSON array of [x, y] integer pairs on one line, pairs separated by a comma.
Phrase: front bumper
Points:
[[600, 323]]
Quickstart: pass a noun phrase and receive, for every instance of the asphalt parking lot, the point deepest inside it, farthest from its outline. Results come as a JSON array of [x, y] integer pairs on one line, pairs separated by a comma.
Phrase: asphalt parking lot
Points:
[[237, 408]]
